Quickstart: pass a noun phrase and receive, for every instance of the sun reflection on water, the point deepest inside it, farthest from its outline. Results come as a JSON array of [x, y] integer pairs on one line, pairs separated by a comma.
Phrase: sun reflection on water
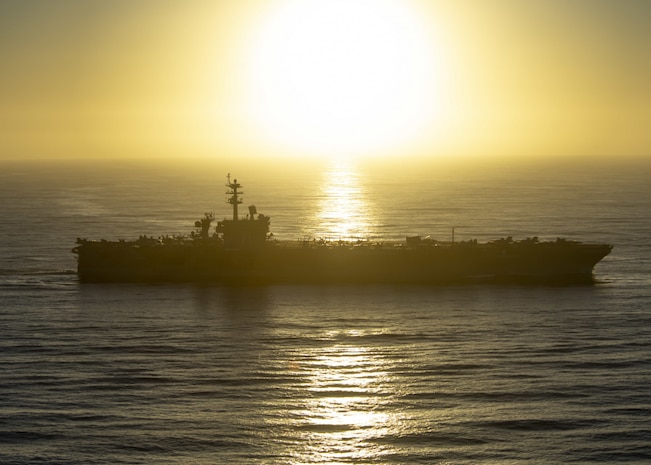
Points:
[[344, 412], [344, 212]]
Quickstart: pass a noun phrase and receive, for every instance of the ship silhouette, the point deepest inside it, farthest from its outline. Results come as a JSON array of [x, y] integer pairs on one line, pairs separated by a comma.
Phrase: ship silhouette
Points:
[[243, 251]]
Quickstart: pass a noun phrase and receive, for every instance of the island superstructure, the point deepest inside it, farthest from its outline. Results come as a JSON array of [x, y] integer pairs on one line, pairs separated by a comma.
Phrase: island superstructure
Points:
[[241, 250]]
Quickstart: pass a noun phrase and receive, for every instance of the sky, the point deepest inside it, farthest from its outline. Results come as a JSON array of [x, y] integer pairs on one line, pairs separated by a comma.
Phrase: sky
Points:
[[324, 79]]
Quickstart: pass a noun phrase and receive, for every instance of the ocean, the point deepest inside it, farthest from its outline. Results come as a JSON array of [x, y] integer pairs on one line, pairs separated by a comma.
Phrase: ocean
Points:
[[189, 374]]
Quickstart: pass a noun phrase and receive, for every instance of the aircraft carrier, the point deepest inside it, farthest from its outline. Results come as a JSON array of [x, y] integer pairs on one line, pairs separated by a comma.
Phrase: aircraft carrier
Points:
[[242, 251]]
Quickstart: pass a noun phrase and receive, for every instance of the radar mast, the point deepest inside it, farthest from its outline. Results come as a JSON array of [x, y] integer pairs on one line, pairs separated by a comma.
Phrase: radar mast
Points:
[[234, 199]]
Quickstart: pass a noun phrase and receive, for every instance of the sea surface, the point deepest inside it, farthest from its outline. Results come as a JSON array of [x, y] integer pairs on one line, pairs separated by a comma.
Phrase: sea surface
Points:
[[187, 374]]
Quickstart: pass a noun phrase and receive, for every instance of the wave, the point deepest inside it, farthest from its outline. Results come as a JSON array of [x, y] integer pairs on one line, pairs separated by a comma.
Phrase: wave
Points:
[[36, 279], [35, 272]]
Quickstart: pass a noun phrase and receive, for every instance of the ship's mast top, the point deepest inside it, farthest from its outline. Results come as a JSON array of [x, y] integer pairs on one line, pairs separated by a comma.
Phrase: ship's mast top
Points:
[[234, 200]]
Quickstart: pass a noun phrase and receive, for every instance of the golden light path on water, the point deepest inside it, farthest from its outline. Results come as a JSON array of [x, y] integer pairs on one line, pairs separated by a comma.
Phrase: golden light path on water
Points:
[[344, 412], [344, 211]]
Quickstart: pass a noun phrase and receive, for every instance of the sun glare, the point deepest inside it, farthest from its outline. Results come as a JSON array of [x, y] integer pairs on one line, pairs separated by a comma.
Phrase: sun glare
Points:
[[345, 213], [341, 78], [348, 389]]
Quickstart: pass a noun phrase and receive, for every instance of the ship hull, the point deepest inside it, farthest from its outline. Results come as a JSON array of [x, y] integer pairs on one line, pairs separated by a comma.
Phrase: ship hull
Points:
[[303, 263]]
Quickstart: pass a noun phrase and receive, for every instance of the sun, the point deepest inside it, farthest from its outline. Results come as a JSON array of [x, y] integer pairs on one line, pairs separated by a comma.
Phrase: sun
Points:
[[341, 78]]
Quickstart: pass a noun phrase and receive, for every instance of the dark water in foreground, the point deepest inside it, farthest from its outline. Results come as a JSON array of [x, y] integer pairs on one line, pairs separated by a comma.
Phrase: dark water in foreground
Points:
[[130, 374]]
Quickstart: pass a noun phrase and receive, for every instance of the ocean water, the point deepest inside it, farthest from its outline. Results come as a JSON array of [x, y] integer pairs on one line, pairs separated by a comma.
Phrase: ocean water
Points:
[[167, 374]]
